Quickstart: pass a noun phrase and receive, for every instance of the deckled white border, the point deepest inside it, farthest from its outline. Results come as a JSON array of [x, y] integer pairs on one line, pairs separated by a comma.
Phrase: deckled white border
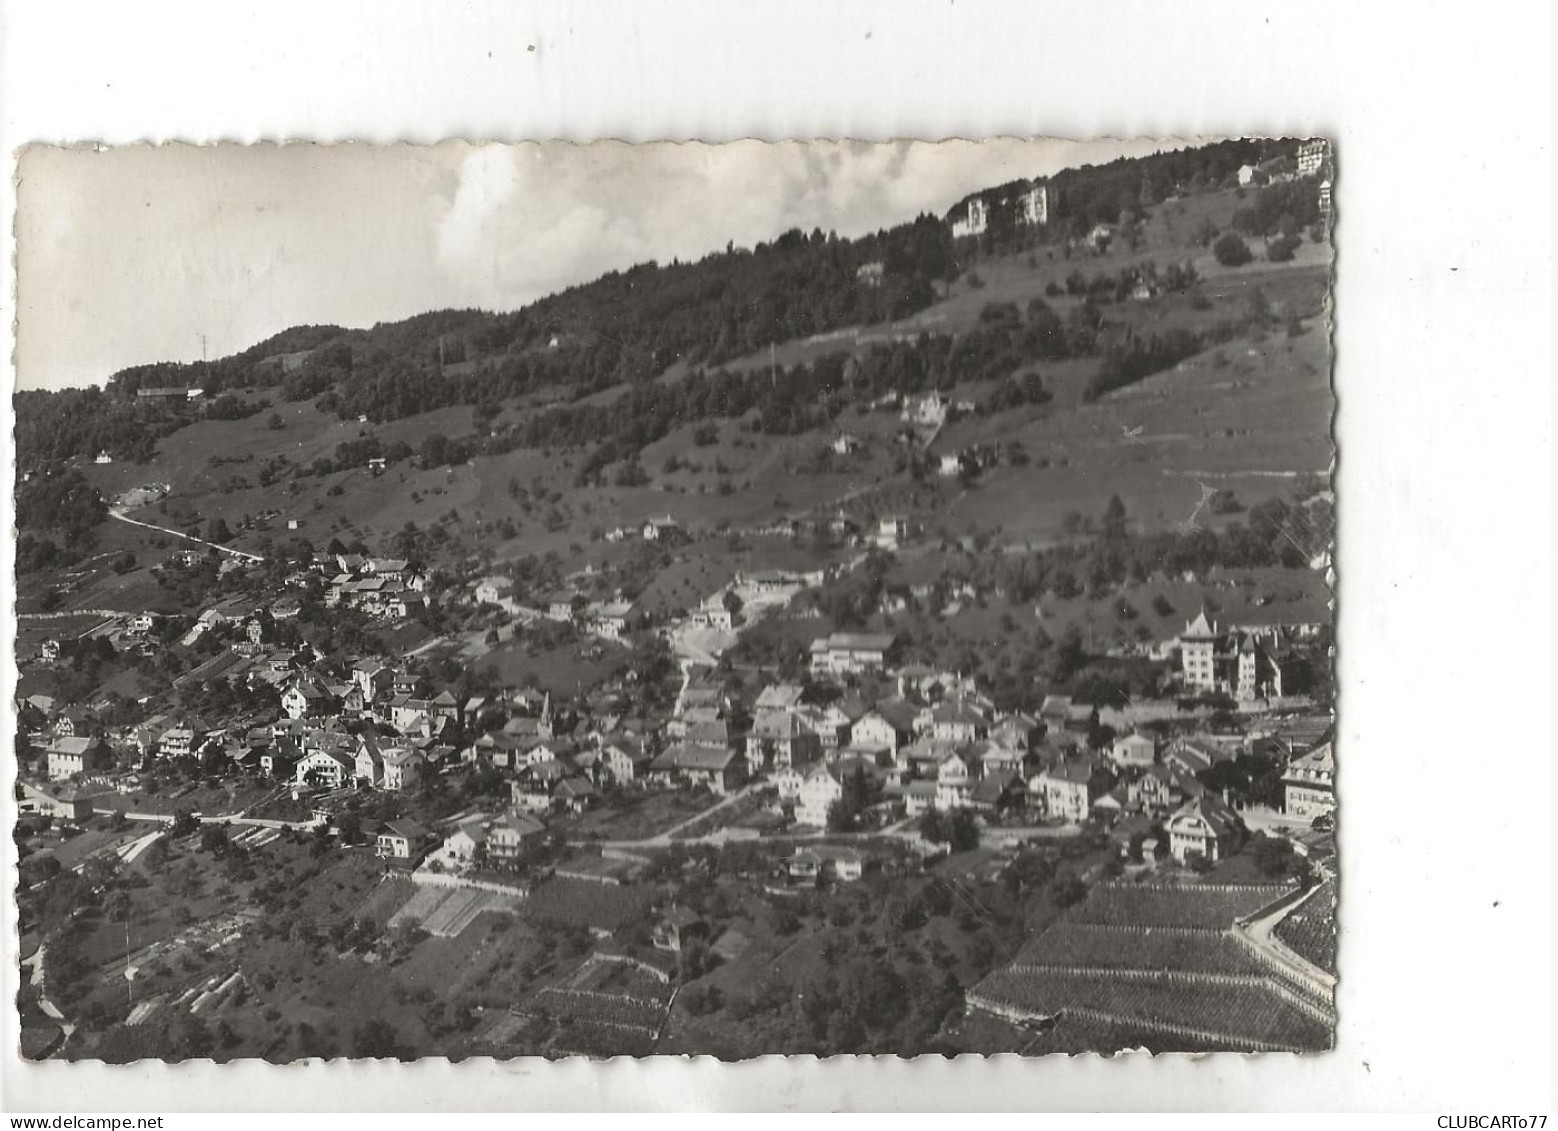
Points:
[[1441, 118]]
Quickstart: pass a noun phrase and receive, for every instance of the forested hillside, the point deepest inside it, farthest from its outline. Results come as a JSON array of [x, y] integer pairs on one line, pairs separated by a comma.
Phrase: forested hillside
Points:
[[629, 327]]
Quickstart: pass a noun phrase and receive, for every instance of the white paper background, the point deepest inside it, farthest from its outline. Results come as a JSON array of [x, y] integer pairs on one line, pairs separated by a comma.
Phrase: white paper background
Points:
[[1442, 121]]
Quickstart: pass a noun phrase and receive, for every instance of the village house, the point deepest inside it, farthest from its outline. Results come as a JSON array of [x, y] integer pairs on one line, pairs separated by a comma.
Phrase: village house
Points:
[[1309, 788], [718, 768], [998, 793], [79, 754], [532, 790], [610, 619], [176, 742], [1068, 789], [788, 782], [819, 790], [820, 863], [62, 802], [780, 738], [1134, 749], [851, 653], [468, 843], [493, 590], [402, 769], [995, 758], [625, 758], [891, 532], [574, 794], [373, 679], [368, 764], [1206, 828], [663, 529], [679, 927], [958, 721], [918, 797], [887, 727], [512, 836], [402, 840], [305, 697], [325, 767], [712, 613], [832, 724]]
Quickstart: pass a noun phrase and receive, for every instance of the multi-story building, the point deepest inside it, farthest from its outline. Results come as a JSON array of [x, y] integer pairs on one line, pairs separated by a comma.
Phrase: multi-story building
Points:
[[1309, 785], [850, 653], [1312, 156], [1198, 653], [819, 790]]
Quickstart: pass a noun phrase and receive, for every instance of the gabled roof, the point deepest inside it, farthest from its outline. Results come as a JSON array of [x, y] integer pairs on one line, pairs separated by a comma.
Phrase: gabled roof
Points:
[[957, 712], [575, 787], [1200, 629], [712, 733], [406, 827], [1055, 706], [991, 788], [685, 757], [855, 642], [778, 696], [73, 747], [1319, 760], [776, 724], [1213, 810], [1078, 773], [897, 713]]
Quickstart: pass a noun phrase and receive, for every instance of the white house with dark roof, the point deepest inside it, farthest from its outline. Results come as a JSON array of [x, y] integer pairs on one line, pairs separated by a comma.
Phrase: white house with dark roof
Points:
[[851, 653], [1205, 826]]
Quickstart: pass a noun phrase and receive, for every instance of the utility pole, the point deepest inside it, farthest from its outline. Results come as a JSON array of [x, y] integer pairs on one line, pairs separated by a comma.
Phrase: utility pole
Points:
[[202, 348]]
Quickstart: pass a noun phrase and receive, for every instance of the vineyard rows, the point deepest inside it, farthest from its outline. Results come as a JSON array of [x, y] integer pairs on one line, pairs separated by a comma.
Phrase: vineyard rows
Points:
[[1083, 944], [613, 1010], [1144, 905], [1244, 1014], [1311, 929]]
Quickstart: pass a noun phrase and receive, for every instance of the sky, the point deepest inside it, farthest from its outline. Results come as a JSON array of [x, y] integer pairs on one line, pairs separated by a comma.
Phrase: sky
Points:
[[156, 253]]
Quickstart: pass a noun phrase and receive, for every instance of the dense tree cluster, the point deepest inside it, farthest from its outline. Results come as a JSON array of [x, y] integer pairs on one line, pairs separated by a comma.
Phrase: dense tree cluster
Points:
[[61, 504]]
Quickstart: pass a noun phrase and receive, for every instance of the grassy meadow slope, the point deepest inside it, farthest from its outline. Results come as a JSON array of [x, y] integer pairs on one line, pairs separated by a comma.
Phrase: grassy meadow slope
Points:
[[1248, 417]]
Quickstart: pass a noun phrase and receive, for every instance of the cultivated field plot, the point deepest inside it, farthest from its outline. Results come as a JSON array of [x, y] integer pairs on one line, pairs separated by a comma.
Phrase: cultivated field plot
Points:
[[607, 1005], [582, 903], [446, 911], [381, 904]]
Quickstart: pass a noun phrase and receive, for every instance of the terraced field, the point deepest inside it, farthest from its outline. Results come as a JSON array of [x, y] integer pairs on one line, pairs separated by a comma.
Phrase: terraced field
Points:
[[1161, 965]]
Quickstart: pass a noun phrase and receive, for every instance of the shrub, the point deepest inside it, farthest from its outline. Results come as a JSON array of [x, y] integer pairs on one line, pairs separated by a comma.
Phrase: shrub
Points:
[[1281, 249], [1231, 250]]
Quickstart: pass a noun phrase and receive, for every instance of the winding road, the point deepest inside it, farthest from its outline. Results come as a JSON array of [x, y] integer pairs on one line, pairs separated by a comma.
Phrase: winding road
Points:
[[122, 517]]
